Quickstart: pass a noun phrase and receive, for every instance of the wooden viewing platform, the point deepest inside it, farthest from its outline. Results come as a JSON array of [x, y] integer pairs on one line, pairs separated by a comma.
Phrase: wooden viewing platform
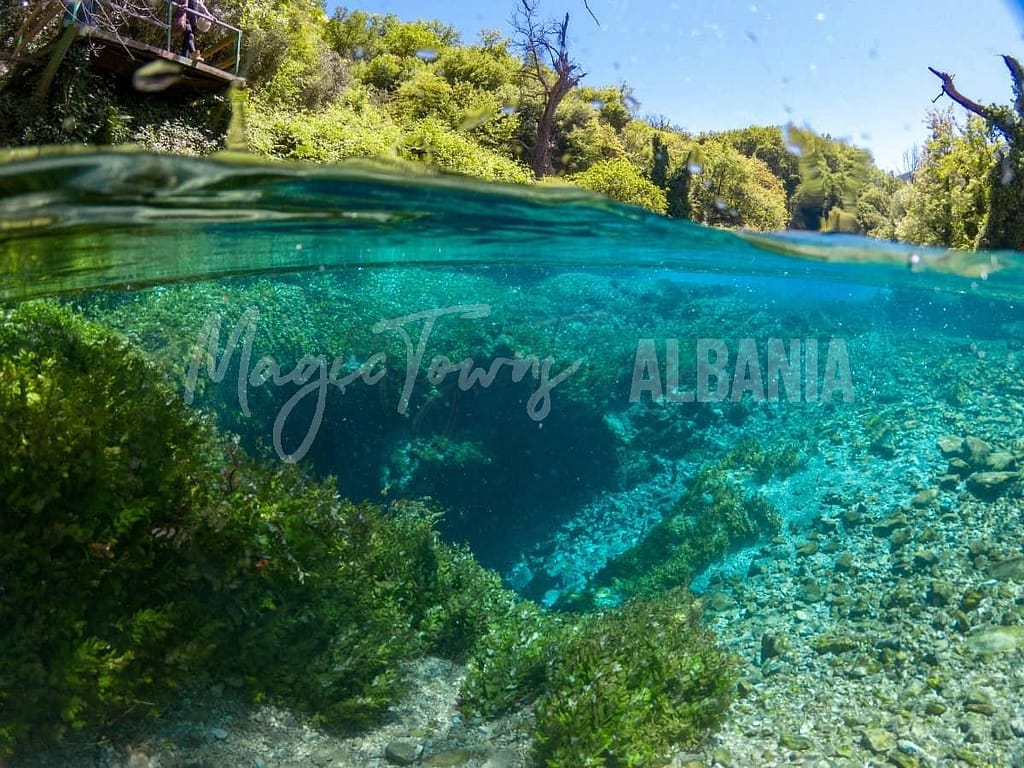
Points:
[[124, 38]]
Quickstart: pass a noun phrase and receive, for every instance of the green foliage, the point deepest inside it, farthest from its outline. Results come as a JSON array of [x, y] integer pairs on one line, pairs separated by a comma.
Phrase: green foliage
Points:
[[424, 94], [95, 453], [948, 203], [485, 67], [342, 131], [627, 685], [384, 72], [764, 461], [768, 144], [510, 664], [288, 61], [880, 206], [620, 180], [435, 143], [1005, 225], [727, 188]]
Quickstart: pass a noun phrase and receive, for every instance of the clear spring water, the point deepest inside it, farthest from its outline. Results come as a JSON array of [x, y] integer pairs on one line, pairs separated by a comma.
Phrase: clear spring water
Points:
[[553, 369]]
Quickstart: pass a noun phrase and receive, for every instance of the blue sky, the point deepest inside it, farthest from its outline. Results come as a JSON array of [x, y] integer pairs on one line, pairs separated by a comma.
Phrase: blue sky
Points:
[[855, 69]]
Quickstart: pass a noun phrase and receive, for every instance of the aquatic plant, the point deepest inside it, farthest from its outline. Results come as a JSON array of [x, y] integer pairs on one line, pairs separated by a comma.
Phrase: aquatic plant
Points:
[[778, 461], [628, 684], [510, 663], [713, 516], [145, 552], [617, 688]]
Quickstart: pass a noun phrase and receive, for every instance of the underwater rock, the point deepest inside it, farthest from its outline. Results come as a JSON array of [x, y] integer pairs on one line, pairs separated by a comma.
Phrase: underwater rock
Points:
[[402, 752], [949, 482], [1008, 570], [812, 592], [449, 758], [795, 741], [808, 549], [950, 446], [924, 498], [935, 707], [834, 644], [996, 640], [989, 485], [844, 563], [772, 646], [925, 558], [1000, 461], [979, 702], [976, 451], [853, 516], [899, 537], [878, 740], [884, 528], [502, 758], [959, 467]]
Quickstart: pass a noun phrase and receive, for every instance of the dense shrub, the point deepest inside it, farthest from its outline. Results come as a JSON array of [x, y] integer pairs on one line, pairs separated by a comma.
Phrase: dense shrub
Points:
[[435, 143], [620, 180]]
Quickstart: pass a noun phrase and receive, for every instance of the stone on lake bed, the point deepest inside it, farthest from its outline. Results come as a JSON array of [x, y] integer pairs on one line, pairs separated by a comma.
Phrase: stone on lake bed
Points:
[[950, 445], [1008, 570], [402, 752], [977, 451], [925, 497], [1000, 461], [878, 740], [449, 758], [987, 485], [996, 640]]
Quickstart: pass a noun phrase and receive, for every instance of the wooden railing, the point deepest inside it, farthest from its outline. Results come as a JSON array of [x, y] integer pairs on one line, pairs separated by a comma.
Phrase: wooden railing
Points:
[[122, 20], [174, 8]]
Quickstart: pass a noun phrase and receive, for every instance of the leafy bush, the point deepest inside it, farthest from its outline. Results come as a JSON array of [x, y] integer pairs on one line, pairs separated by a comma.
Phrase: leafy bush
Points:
[[627, 685], [435, 143], [620, 180], [509, 665], [728, 188], [339, 132]]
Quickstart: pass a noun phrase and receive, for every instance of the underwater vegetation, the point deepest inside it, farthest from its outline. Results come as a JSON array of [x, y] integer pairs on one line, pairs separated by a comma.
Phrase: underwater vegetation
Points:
[[146, 552], [714, 516]]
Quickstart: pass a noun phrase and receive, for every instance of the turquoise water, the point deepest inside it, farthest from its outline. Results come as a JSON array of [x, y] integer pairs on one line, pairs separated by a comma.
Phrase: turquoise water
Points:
[[555, 372]]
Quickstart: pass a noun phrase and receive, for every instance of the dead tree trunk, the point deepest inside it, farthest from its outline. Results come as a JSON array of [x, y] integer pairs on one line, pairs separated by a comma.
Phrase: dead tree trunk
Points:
[[544, 45]]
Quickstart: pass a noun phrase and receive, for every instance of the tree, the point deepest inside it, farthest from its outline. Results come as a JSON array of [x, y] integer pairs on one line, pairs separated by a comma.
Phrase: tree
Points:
[[767, 143], [948, 202], [1004, 227], [542, 42], [726, 188]]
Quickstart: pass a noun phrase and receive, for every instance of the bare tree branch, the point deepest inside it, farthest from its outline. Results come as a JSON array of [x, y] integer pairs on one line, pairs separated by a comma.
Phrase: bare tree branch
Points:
[[990, 116]]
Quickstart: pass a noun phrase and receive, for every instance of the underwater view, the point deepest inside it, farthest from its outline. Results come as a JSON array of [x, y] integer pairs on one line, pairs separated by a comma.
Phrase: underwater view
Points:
[[346, 467], [624, 384]]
